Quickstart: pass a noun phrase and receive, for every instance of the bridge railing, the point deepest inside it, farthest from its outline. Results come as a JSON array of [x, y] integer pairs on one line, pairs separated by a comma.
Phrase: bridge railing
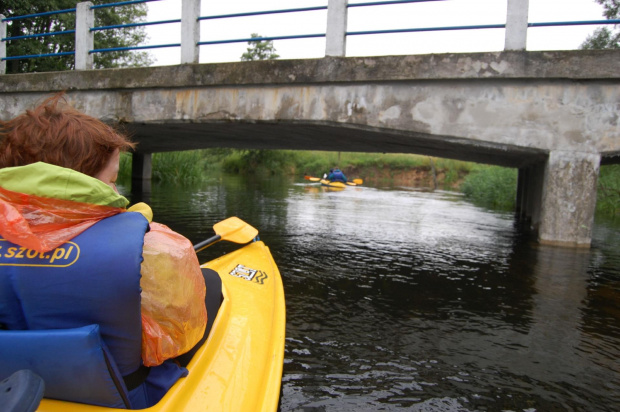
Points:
[[515, 26]]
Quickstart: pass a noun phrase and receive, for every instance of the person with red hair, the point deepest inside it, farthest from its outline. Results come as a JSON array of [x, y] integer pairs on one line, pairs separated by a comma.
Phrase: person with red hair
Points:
[[63, 222]]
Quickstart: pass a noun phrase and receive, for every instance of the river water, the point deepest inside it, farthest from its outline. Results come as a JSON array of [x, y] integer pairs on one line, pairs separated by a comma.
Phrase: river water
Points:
[[403, 299]]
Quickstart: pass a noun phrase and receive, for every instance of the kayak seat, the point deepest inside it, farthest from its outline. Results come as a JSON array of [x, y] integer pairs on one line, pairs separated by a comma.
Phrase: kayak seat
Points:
[[21, 392], [56, 356], [213, 301]]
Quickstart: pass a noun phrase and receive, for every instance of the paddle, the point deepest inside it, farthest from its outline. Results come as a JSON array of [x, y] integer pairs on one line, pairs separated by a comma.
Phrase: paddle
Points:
[[232, 229]]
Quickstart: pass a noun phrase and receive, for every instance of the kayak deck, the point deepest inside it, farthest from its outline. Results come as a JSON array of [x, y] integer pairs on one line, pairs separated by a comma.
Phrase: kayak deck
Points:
[[239, 367]]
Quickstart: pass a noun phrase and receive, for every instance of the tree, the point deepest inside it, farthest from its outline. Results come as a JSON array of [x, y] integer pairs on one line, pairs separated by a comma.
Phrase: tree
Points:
[[104, 39], [605, 38], [259, 50]]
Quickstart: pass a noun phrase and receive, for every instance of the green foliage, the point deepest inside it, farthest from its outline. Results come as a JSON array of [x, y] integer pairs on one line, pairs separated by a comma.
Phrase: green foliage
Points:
[[608, 195], [124, 170], [318, 162], [179, 167], [491, 186], [174, 167], [605, 38], [602, 38], [262, 162], [259, 50], [66, 42]]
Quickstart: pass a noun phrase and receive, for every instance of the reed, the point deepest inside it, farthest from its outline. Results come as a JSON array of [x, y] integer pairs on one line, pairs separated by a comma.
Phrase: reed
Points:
[[608, 193], [491, 186], [175, 167]]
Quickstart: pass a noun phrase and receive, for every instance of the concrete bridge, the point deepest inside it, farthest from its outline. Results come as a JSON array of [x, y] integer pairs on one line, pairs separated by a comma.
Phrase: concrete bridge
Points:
[[552, 115]]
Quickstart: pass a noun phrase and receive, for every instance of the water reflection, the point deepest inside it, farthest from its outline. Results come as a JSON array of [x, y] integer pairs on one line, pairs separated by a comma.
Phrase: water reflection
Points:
[[411, 300]]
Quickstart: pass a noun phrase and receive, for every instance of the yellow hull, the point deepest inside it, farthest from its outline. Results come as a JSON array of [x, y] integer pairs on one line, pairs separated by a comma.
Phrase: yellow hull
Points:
[[239, 368], [327, 183]]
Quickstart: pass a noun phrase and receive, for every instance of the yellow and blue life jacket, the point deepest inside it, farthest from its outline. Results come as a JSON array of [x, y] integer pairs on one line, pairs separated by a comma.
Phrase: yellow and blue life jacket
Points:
[[85, 292]]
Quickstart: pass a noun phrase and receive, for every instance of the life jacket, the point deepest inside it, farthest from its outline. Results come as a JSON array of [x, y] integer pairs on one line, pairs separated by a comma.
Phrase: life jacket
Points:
[[94, 279], [337, 176]]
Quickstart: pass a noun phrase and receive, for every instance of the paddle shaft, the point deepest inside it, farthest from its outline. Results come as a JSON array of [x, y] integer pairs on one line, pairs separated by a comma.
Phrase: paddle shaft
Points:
[[206, 243]]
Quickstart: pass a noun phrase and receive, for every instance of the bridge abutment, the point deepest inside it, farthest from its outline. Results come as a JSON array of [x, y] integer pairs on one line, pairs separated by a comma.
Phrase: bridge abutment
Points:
[[568, 198]]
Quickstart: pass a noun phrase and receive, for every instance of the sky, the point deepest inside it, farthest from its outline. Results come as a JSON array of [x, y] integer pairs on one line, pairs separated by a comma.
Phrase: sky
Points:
[[399, 16]]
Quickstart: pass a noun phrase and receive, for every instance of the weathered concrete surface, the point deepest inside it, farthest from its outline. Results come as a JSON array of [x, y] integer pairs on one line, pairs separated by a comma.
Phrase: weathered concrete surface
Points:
[[508, 108], [569, 198]]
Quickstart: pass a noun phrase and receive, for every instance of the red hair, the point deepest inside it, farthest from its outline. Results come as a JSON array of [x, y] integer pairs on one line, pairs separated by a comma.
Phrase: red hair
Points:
[[56, 133]]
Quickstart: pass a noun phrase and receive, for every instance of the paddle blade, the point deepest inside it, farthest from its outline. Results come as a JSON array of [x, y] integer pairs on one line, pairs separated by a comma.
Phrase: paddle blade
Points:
[[312, 179], [358, 181], [351, 184], [235, 230]]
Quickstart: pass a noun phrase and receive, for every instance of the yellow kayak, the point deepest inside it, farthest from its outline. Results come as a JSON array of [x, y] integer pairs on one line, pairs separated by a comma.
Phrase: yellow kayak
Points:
[[239, 368], [327, 183]]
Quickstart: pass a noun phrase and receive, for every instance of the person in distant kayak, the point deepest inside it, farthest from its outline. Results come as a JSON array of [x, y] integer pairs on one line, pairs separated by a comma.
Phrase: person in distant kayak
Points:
[[62, 221], [336, 175]]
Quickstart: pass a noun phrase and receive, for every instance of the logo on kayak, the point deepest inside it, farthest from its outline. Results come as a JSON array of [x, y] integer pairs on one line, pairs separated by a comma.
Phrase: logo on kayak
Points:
[[251, 275]]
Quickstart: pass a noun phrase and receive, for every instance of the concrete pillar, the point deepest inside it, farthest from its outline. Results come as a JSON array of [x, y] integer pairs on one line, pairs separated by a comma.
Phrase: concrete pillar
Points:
[[190, 31], [84, 38], [520, 201], [569, 199], [529, 193], [516, 25], [2, 44], [141, 172], [336, 34]]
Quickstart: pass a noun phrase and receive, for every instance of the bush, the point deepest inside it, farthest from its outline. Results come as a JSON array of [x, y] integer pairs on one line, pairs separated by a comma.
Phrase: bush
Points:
[[608, 194], [492, 186], [175, 167]]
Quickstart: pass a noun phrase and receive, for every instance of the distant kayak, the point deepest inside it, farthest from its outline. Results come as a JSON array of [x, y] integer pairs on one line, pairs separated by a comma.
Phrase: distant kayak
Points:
[[325, 182]]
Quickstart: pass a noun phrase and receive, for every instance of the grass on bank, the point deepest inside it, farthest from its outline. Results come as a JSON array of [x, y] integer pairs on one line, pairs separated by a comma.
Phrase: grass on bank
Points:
[[608, 193], [489, 186], [178, 167]]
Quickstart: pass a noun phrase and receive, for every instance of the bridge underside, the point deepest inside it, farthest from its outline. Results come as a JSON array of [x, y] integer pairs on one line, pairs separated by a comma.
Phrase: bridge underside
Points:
[[174, 136]]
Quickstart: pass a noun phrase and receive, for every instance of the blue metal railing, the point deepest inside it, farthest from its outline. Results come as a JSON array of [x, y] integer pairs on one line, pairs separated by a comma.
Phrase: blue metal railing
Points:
[[121, 3], [47, 13], [574, 23], [255, 13], [28, 36], [262, 13]]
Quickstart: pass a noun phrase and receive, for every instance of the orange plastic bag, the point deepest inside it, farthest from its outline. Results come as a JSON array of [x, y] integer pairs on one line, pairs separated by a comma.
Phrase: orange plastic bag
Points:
[[42, 223], [174, 316]]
